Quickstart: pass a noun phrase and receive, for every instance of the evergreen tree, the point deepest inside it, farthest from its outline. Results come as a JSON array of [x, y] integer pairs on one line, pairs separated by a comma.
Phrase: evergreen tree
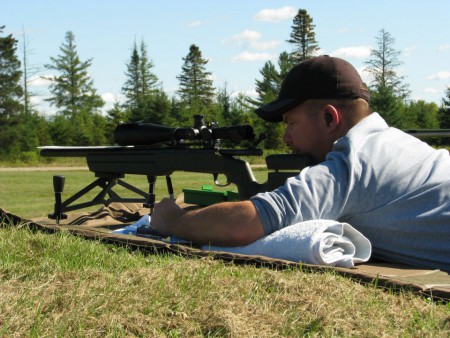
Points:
[[423, 115], [233, 111], [132, 87], [303, 37], [268, 89], [114, 116], [74, 94], [388, 91], [72, 90], [444, 111], [140, 86], [196, 87], [10, 94], [160, 107]]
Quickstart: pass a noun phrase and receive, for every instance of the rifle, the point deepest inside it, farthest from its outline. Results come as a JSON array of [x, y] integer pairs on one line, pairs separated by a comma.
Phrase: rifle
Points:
[[155, 150]]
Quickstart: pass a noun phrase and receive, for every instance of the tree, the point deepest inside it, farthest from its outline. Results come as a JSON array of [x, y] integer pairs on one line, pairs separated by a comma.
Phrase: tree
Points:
[[10, 93], [388, 91], [268, 89], [196, 87], [444, 115], [424, 115], [28, 73], [303, 37], [74, 94], [444, 111], [233, 111], [114, 116], [140, 85]]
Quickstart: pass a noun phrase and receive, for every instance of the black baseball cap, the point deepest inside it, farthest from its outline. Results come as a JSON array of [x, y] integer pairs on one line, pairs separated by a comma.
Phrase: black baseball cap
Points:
[[321, 77]]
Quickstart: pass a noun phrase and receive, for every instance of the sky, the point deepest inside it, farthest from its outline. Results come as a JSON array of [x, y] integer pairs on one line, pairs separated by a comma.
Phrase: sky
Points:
[[236, 37]]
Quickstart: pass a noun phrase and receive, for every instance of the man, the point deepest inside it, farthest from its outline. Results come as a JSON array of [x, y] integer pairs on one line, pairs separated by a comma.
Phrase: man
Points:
[[392, 187]]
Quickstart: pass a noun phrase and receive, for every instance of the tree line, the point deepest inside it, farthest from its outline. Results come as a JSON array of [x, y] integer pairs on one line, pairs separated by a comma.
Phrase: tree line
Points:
[[79, 119]]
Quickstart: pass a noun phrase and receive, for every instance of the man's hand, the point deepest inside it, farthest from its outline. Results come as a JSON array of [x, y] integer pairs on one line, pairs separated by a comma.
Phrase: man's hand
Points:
[[165, 214]]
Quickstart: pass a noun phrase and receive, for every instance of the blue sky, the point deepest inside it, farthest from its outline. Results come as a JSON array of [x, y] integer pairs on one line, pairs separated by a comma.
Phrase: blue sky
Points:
[[237, 37]]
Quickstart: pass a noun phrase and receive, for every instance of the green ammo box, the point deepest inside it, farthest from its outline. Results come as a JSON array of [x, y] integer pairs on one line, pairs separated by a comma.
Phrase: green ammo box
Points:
[[207, 196]]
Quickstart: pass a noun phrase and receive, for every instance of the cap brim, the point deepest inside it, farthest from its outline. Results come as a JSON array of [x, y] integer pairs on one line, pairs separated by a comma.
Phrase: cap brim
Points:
[[273, 111]]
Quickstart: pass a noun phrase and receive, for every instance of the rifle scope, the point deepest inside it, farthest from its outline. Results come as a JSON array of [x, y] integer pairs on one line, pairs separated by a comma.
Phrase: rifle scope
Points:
[[141, 133]]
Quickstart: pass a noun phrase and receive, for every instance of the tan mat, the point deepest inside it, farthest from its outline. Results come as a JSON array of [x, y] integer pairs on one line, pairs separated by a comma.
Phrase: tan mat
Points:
[[98, 225]]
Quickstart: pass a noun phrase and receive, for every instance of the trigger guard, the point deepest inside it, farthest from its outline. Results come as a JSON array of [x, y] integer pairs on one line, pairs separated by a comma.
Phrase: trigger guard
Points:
[[216, 181]]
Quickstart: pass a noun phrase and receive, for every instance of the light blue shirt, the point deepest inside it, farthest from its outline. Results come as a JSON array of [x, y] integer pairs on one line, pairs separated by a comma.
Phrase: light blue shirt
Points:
[[392, 187]]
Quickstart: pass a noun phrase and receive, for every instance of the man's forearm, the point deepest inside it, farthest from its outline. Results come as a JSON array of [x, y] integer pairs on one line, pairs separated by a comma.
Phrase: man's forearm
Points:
[[223, 224]]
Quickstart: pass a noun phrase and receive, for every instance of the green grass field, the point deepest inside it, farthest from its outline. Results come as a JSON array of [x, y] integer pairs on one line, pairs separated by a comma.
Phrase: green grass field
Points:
[[58, 285], [30, 194]]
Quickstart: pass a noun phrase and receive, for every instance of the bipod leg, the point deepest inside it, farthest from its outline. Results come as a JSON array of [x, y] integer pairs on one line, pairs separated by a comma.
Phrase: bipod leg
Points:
[[58, 188], [151, 193], [104, 183], [170, 187]]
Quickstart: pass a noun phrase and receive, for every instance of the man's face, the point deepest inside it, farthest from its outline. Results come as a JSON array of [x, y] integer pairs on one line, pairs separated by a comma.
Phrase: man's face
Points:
[[306, 131]]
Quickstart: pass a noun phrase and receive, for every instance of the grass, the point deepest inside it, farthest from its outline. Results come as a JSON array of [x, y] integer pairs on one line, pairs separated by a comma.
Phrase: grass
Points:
[[30, 194], [62, 285]]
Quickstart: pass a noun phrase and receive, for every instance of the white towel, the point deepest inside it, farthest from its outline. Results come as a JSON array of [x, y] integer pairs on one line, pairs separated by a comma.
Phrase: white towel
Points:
[[320, 242]]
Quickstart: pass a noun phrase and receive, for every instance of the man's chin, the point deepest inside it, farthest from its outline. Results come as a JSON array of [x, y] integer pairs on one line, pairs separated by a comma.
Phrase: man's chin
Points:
[[312, 159]]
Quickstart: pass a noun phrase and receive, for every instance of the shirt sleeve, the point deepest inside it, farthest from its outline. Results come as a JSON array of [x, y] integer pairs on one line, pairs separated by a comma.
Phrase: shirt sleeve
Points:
[[318, 192]]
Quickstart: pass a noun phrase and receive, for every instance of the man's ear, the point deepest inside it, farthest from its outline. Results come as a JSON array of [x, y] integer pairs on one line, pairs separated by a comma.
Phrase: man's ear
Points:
[[328, 119], [331, 116]]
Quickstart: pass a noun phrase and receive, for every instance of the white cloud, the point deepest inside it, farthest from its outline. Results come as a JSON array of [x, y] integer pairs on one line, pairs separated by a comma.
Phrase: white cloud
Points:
[[36, 100], [409, 50], [252, 57], [195, 23], [251, 39], [265, 45], [112, 98], [249, 92], [41, 81], [442, 48], [276, 15], [343, 30], [247, 36], [431, 90], [443, 75], [355, 52]]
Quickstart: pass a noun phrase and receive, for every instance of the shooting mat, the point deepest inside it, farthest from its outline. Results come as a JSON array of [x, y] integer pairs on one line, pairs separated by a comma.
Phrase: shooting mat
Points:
[[99, 224]]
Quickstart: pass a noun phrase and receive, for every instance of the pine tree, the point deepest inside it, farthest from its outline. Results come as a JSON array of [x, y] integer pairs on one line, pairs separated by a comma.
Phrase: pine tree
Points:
[[72, 90], [388, 91], [140, 88], [132, 87], [444, 111], [74, 94], [10, 94], [303, 37], [196, 87], [268, 89]]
